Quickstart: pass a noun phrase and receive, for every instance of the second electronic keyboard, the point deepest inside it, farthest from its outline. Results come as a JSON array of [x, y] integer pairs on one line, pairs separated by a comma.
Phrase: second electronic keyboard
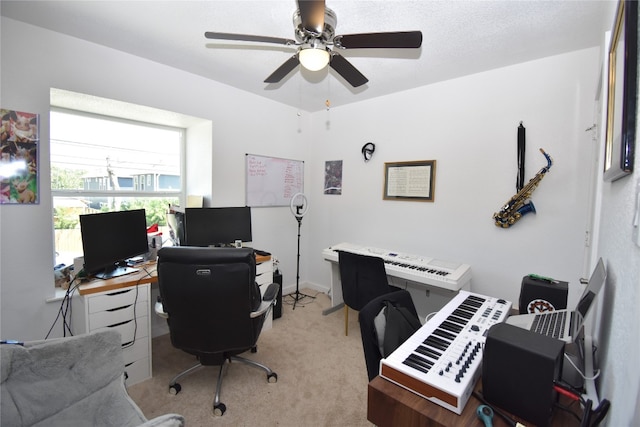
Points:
[[417, 268], [441, 361]]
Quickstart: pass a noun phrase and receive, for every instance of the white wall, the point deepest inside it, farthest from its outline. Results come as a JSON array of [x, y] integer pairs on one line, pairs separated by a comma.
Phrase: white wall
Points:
[[620, 326], [198, 156], [469, 126], [35, 60]]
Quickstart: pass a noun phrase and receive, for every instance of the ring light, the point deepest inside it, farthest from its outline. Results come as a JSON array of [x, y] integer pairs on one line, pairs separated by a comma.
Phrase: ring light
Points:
[[299, 210]]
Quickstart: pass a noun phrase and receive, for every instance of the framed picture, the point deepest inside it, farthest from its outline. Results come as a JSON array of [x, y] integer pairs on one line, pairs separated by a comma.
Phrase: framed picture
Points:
[[19, 140], [410, 181], [621, 98]]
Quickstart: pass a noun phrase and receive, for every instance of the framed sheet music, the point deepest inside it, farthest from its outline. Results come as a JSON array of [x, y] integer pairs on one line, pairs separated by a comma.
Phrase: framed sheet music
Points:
[[410, 181]]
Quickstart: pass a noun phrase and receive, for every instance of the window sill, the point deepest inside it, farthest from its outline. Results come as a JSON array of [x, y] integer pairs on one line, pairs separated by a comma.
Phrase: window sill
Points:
[[58, 295]]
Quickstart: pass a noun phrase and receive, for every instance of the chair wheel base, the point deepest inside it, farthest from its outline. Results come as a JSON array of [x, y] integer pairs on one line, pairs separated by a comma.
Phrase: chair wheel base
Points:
[[219, 409], [272, 377], [175, 388]]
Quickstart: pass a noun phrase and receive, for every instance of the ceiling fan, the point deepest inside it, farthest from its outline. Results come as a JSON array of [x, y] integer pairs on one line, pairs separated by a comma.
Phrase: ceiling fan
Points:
[[314, 26]]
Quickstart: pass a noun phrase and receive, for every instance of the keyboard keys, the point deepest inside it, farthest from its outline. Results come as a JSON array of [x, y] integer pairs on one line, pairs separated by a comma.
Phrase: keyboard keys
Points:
[[551, 324]]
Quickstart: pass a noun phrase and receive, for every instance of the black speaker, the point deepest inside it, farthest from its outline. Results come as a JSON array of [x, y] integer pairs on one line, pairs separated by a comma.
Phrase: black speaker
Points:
[[277, 308], [539, 295], [518, 371]]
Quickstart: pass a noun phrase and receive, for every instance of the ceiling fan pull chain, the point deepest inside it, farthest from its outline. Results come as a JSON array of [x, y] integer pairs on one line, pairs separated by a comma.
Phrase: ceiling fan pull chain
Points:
[[327, 102]]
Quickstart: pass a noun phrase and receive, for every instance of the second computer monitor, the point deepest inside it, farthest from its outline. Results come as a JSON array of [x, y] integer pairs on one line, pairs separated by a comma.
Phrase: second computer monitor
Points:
[[217, 226]]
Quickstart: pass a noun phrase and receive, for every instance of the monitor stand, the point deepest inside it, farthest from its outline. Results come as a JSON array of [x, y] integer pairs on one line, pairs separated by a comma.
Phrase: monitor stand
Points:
[[115, 271]]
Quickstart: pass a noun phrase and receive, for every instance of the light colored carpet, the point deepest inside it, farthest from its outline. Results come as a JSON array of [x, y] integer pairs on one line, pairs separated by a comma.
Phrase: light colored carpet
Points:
[[322, 378]]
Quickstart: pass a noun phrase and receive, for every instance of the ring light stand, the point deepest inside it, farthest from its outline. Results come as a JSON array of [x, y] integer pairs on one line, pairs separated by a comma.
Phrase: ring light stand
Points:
[[299, 209]]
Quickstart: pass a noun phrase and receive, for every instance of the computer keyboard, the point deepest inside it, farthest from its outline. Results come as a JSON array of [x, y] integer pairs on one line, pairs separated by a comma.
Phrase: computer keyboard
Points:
[[550, 324]]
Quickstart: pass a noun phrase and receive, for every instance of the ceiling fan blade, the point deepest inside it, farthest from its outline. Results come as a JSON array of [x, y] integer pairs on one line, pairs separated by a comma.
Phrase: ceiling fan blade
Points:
[[283, 70], [346, 70], [248, 38], [392, 40], [312, 15]]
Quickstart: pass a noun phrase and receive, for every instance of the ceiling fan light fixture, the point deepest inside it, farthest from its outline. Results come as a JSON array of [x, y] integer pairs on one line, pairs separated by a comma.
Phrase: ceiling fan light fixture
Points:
[[314, 58]]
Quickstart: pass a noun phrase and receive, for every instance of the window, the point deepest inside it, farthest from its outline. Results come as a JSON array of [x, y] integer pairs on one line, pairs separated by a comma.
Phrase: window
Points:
[[101, 163]]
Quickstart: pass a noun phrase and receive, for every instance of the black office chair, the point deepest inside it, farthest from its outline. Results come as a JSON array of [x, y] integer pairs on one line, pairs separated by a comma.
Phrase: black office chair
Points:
[[363, 278], [381, 336], [213, 307]]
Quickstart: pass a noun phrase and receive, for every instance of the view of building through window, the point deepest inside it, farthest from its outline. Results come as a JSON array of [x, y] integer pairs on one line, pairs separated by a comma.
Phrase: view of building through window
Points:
[[101, 164]]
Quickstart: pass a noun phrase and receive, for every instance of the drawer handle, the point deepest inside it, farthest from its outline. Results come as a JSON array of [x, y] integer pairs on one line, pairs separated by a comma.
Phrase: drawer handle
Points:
[[119, 308], [113, 294], [120, 324]]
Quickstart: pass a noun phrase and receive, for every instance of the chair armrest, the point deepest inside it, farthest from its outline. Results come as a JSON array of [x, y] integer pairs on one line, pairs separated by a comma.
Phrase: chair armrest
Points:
[[159, 309], [271, 293], [268, 300]]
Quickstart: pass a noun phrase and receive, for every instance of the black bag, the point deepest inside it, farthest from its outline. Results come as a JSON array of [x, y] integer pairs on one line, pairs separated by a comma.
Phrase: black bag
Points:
[[400, 325]]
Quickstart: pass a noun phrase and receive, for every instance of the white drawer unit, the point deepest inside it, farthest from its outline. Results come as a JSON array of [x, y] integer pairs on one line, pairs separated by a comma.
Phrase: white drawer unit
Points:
[[126, 310], [264, 273], [264, 277], [137, 360]]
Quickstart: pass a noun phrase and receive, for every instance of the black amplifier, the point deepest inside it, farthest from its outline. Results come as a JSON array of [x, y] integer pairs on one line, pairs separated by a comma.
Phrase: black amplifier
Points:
[[538, 295]]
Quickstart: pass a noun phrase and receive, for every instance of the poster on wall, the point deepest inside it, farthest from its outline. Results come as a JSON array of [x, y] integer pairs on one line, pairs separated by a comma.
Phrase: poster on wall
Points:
[[19, 138], [333, 177]]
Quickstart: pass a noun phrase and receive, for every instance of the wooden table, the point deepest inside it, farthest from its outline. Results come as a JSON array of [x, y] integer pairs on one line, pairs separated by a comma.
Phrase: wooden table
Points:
[[391, 405], [146, 273]]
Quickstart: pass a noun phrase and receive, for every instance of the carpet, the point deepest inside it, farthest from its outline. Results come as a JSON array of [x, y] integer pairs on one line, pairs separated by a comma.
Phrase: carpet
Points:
[[322, 377]]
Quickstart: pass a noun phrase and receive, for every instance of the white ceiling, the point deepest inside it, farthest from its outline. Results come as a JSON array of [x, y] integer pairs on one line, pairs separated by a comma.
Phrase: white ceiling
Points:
[[460, 37]]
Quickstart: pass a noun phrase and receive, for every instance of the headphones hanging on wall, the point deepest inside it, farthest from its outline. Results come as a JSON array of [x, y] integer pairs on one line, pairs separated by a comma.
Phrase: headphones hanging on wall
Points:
[[367, 151]]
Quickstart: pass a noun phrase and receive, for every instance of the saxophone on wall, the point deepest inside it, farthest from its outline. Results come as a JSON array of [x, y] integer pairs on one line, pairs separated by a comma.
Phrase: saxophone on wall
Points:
[[520, 205]]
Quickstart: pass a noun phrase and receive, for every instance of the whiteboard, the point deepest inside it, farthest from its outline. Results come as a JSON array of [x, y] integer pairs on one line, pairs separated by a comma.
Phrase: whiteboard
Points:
[[272, 181]]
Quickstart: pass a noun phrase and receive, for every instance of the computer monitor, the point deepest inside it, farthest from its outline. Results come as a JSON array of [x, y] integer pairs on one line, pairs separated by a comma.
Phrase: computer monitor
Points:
[[216, 226], [110, 238]]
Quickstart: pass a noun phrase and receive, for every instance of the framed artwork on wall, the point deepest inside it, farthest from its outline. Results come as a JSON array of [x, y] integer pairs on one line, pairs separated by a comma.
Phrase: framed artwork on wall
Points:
[[621, 97], [19, 139], [410, 181]]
